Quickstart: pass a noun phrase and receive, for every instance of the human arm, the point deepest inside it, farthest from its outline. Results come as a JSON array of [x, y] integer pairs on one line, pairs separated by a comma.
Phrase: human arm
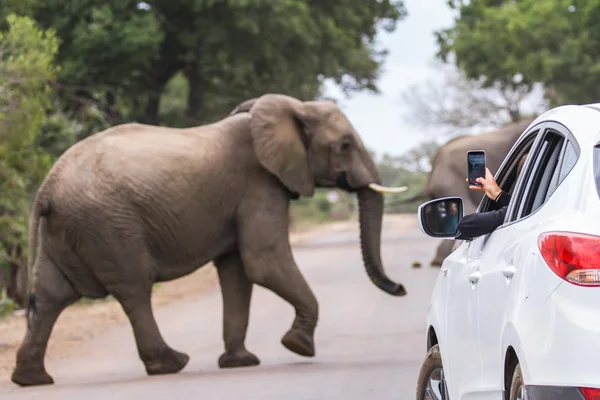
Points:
[[502, 199], [478, 224]]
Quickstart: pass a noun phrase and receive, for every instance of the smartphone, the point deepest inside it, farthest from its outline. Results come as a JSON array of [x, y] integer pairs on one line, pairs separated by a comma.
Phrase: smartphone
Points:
[[476, 163]]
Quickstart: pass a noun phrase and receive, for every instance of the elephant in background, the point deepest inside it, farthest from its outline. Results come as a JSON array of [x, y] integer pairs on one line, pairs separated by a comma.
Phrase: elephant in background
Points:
[[449, 171], [138, 204]]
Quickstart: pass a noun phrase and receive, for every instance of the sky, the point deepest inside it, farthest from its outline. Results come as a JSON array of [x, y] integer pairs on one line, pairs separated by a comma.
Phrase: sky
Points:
[[412, 47]]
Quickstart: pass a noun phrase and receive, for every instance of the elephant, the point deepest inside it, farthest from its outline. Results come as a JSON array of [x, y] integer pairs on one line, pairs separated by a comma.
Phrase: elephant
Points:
[[449, 171], [137, 204]]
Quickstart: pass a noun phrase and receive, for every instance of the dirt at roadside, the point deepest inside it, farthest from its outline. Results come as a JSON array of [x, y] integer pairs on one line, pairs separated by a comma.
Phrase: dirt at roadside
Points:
[[86, 320]]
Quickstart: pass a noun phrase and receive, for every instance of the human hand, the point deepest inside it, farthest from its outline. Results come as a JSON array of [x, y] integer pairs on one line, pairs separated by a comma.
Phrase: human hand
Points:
[[489, 185]]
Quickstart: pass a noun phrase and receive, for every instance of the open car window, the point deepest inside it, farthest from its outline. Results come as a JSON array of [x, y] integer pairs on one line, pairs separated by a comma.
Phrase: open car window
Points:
[[507, 174], [554, 156]]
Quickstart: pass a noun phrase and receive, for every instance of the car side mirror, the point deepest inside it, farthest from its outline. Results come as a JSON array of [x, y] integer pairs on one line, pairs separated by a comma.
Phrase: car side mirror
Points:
[[439, 218]]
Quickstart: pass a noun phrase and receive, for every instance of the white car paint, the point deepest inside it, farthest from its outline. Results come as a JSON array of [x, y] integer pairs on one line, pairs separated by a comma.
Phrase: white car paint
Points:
[[496, 292]]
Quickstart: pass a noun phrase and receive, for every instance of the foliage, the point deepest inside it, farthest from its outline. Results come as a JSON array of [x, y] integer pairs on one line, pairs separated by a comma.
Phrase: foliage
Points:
[[119, 55], [318, 209], [173, 101], [410, 169], [517, 43], [415, 180], [26, 69], [6, 306], [106, 49]]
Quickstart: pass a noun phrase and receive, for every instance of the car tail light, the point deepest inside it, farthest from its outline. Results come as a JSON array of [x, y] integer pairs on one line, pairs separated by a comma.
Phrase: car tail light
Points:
[[590, 394], [574, 257]]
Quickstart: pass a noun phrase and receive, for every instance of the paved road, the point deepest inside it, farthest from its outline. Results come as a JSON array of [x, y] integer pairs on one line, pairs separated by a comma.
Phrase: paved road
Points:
[[369, 345]]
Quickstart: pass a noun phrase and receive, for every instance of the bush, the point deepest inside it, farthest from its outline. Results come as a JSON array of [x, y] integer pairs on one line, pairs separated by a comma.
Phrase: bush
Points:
[[7, 306], [318, 209]]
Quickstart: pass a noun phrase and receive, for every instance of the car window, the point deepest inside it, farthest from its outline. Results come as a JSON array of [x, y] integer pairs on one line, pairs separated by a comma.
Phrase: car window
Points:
[[544, 174], [549, 169], [568, 162], [507, 175]]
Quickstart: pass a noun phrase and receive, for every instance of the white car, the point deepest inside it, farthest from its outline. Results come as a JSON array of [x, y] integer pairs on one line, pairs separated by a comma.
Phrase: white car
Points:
[[515, 314]]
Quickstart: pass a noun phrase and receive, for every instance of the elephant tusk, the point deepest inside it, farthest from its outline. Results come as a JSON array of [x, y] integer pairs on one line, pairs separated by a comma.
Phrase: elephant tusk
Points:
[[385, 189]]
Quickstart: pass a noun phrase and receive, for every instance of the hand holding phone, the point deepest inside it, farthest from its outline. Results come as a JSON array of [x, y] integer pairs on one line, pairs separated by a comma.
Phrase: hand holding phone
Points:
[[476, 166]]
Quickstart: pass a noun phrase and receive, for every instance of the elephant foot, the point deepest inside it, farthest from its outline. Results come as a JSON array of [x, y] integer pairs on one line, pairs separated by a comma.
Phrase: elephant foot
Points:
[[168, 361], [299, 342], [238, 359], [23, 376]]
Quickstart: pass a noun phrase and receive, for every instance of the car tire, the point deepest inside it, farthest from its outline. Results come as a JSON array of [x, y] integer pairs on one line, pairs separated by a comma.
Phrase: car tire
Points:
[[517, 385], [431, 384]]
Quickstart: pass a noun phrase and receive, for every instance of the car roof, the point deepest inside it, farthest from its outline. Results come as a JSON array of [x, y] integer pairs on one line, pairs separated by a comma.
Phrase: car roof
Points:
[[583, 121]]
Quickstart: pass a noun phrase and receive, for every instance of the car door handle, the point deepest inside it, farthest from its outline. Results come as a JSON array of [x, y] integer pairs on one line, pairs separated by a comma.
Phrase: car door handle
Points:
[[509, 272], [474, 278]]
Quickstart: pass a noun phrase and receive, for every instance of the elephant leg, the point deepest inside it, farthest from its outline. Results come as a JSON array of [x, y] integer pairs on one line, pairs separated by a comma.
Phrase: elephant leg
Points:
[[278, 272], [134, 295], [263, 226], [157, 356], [52, 294], [443, 251], [236, 290]]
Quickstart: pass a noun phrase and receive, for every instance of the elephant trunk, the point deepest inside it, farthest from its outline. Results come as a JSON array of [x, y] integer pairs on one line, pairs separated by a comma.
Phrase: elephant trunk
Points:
[[370, 205]]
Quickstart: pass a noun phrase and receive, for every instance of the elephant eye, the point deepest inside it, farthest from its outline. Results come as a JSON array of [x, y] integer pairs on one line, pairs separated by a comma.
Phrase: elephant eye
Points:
[[345, 146]]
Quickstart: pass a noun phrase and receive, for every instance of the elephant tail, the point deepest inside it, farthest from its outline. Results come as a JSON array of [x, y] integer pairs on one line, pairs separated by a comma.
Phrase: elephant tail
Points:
[[40, 208]]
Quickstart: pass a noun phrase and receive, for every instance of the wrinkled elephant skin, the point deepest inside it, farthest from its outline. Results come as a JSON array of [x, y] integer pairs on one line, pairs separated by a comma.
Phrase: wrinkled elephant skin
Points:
[[138, 204]]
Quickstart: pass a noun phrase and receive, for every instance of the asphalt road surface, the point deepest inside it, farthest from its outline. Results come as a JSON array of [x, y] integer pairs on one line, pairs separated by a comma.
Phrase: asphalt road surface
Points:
[[369, 345]]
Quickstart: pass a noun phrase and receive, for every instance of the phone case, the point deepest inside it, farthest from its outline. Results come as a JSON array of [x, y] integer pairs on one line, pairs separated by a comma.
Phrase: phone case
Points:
[[482, 167]]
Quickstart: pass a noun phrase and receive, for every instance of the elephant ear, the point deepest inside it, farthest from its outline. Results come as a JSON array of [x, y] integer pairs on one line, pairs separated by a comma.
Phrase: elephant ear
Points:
[[243, 107], [281, 127]]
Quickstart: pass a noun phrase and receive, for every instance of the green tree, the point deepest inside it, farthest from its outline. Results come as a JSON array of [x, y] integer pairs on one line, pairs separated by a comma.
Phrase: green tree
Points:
[[518, 43], [481, 44], [108, 52], [26, 70], [119, 55], [261, 46]]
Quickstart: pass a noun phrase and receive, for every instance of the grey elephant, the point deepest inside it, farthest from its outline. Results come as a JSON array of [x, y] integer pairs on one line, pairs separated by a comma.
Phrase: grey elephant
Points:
[[449, 171], [138, 204]]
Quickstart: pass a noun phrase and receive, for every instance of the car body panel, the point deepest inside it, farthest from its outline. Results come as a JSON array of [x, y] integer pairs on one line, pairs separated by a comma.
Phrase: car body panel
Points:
[[517, 302]]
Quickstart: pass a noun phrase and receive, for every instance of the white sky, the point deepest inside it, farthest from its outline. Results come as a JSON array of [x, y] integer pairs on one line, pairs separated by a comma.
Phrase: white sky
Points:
[[412, 47]]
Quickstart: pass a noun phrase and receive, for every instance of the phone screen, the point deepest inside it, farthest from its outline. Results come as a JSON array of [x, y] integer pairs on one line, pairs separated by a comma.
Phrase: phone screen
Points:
[[476, 162]]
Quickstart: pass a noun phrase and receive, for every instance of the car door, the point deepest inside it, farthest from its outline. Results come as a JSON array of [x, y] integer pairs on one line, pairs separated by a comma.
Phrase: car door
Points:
[[509, 251], [461, 335], [466, 370], [464, 358]]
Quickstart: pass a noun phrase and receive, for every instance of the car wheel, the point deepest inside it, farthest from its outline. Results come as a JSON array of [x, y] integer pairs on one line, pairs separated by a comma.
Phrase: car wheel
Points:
[[431, 384], [517, 386]]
